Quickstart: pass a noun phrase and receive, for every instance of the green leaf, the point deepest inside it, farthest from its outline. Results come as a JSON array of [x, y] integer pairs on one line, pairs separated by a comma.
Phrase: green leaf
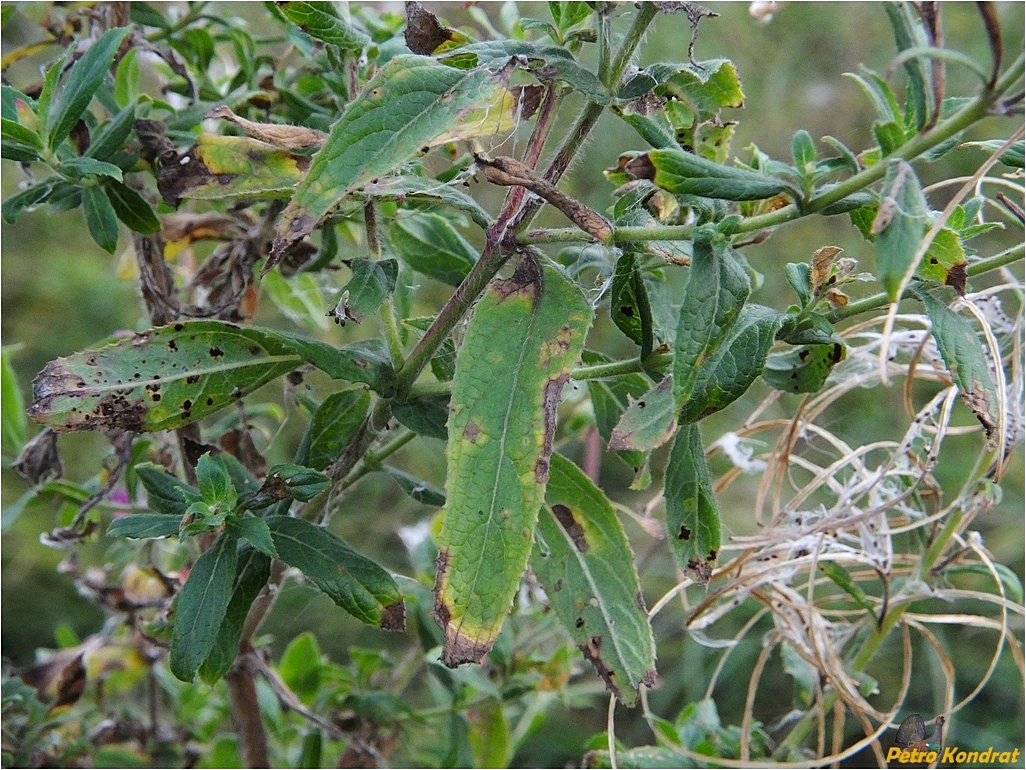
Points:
[[546, 62], [333, 426], [201, 605], [371, 283], [717, 290], [12, 131], [945, 261], [407, 187], [18, 152], [131, 208], [628, 302], [100, 217], [165, 494], [648, 422], [298, 297], [84, 79], [610, 397], [799, 275], [355, 583], [684, 173], [126, 79], [254, 531], [898, 226], [27, 198], [587, 567], [803, 151], [215, 485], [909, 33], [78, 169], [290, 480], [431, 245], [416, 488], [322, 21], [425, 416], [963, 354], [173, 375], [804, 369], [839, 575], [489, 737], [409, 105], [526, 334], [251, 574], [1014, 156], [220, 167], [692, 519], [301, 666], [145, 525], [729, 372], [13, 425]]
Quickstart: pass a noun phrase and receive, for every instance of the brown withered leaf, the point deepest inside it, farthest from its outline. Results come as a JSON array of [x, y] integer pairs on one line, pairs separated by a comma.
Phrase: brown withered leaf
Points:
[[40, 460], [284, 136], [822, 260], [424, 33]]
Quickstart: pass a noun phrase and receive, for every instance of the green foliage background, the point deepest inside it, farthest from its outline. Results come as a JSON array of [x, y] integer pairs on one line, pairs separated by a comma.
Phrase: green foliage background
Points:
[[60, 294]]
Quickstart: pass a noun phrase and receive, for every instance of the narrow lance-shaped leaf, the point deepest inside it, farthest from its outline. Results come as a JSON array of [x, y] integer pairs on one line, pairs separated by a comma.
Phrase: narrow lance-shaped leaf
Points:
[[685, 173], [526, 334], [355, 583], [898, 225], [251, 574], [410, 104], [173, 375], [84, 79], [692, 519], [963, 354], [628, 302], [200, 606], [587, 567], [717, 290], [101, 218]]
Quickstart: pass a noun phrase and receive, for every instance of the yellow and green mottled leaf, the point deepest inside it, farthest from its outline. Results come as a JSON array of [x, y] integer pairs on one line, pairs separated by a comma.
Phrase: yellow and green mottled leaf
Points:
[[945, 261], [587, 567], [414, 102], [526, 334], [220, 167]]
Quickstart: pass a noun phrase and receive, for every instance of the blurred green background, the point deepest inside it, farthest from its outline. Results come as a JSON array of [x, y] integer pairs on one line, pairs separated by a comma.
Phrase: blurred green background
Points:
[[60, 293]]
